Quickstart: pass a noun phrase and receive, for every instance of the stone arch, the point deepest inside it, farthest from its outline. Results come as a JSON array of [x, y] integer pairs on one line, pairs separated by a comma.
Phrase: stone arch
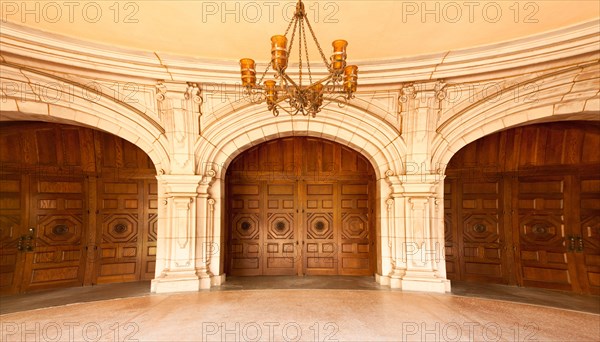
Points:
[[236, 132], [25, 97], [375, 139], [570, 94]]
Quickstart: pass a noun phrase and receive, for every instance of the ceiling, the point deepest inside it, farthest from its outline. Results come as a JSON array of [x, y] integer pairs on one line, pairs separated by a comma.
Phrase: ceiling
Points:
[[229, 30]]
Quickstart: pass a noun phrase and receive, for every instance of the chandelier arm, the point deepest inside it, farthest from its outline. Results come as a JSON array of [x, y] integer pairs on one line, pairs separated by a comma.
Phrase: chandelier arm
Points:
[[291, 81], [317, 43], [340, 100], [286, 110], [323, 81]]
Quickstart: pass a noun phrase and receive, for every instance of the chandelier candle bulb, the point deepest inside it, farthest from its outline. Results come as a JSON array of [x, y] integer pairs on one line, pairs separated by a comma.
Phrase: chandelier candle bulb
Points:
[[338, 59], [270, 92], [350, 78], [279, 52], [248, 72], [317, 92]]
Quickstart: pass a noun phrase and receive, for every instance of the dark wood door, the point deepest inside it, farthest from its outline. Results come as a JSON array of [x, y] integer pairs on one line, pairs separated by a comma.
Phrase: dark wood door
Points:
[[77, 207], [321, 229], [543, 253], [355, 238], [280, 228], [59, 220], [13, 230], [300, 206], [126, 230], [585, 241], [522, 207], [245, 233], [481, 230]]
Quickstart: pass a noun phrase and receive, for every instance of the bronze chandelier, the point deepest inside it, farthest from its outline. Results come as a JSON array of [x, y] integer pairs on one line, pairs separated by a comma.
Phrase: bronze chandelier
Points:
[[294, 96]]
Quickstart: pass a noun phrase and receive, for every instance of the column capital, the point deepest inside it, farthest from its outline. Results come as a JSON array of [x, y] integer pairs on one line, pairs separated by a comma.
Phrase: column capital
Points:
[[421, 185], [180, 185]]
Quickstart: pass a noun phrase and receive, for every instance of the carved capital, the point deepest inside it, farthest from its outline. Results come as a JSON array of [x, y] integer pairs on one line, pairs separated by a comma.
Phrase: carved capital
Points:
[[161, 92], [440, 90], [193, 93], [407, 92]]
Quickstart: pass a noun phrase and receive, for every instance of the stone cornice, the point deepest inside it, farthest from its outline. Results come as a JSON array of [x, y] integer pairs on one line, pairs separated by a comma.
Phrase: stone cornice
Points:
[[22, 44]]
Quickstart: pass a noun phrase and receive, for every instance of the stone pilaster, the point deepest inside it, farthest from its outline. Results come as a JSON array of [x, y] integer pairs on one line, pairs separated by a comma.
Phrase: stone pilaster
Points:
[[179, 235], [415, 226], [414, 208], [179, 106]]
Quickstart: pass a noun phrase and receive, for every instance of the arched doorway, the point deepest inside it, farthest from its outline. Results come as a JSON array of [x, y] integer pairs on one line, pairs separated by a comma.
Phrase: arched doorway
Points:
[[300, 206], [522, 207], [79, 207]]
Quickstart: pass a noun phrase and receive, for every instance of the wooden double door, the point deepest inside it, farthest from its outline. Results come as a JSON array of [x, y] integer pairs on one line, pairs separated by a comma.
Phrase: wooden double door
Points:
[[525, 230], [59, 231], [294, 222], [77, 207], [522, 207]]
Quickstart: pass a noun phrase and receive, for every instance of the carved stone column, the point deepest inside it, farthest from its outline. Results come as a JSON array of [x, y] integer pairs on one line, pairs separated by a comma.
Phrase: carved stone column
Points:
[[415, 208], [416, 244], [179, 236]]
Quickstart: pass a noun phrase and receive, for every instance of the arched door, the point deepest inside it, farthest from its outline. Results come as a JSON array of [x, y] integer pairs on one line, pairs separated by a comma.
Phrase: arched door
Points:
[[522, 207], [77, 207], [300, 206]]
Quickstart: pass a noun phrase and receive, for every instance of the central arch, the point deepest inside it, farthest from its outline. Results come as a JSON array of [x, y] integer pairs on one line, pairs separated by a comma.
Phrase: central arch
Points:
[[300, 206], [366, 133]]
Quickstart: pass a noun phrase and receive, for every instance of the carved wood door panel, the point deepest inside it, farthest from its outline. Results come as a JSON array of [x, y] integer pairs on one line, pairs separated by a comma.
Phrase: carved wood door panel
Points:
[[13, 231], [586, 241], [245, 240], [480, 233], [59, 219], [320, 252], [280, 236], [121, 223], [355, 240], [540, 208]]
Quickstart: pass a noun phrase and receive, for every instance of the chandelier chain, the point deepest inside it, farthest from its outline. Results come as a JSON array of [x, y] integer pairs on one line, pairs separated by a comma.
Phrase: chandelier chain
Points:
[[288, 28], [300, 51], [264, 73], [306, 51], [318, 45], [293, 35]]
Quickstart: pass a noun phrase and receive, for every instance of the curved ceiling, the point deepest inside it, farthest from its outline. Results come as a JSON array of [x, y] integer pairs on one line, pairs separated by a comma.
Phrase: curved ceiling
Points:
[[229, 30]]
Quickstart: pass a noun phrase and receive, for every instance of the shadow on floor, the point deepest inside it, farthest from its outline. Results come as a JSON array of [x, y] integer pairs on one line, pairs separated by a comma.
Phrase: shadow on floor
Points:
[[49, 298]]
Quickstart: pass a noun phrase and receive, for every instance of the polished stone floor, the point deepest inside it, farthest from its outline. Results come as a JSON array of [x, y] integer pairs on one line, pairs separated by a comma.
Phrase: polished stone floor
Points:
[[305, 308]]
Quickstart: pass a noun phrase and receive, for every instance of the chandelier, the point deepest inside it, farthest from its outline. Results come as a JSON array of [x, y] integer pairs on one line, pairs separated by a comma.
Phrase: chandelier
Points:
[[296, 96]]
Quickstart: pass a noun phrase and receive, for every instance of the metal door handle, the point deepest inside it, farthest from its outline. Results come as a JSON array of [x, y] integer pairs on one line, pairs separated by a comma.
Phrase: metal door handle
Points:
[[571, 243], [20, 243], [579, 245]]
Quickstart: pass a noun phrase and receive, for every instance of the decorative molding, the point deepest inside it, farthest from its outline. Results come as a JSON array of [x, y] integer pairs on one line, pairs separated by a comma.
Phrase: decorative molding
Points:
[[23, 44]]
